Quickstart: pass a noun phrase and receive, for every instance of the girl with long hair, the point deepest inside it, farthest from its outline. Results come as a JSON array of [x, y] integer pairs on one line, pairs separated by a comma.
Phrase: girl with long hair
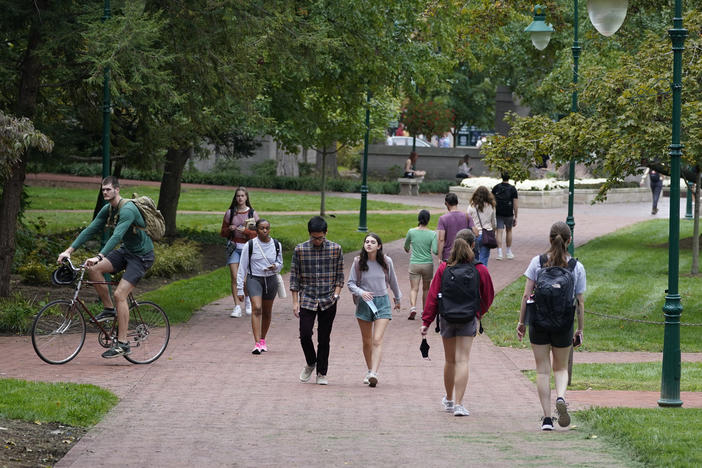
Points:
[[458, 337], [237, 233], [423, 242], [482, 210], [371, 275], [552, 349]]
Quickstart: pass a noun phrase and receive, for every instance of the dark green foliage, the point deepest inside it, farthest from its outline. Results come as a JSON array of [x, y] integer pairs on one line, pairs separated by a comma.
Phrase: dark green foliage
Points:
[[17, 314]]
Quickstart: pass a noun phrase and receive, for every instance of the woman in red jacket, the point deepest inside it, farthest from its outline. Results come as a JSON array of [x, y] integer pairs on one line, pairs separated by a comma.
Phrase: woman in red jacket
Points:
[[458, 337]]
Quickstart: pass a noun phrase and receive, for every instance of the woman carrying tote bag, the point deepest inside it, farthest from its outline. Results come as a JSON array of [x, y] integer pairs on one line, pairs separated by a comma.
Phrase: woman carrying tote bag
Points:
[[482, 210]]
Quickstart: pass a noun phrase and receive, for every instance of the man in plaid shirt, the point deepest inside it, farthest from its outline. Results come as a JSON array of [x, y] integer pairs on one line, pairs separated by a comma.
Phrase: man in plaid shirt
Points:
[[316, 279]]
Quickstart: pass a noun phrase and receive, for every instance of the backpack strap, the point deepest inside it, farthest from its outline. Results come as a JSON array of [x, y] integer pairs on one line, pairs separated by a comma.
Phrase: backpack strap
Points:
[[571, 264], [251, 213], [543, 259], [113, 215], [250, 243]]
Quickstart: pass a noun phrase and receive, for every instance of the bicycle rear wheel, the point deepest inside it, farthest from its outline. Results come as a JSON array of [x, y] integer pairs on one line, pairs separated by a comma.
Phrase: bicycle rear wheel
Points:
[[148, 332], [58, 332]]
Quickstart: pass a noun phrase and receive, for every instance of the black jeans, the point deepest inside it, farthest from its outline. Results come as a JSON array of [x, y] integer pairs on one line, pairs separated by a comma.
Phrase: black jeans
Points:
[[325, 319]]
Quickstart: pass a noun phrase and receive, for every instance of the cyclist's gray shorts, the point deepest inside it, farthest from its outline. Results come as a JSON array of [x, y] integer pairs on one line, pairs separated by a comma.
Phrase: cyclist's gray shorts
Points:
[[134, 266]]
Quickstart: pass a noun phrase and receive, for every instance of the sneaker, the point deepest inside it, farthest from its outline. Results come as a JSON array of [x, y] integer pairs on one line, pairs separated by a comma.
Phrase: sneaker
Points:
[[262, 346], [412, 314], [499, 254], [459, 410], [562, 410], [510, 255], [118, 349], [322, 380], [236, 312], [448, 404], [248, 306], [546, 424], [256, 349], [106, 314], [372, 379], [306, 373], [367, 377]]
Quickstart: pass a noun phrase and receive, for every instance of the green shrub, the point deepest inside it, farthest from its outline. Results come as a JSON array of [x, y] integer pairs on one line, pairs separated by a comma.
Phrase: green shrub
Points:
[[34, 271], [266, 168], [182, 256], [17, 314]]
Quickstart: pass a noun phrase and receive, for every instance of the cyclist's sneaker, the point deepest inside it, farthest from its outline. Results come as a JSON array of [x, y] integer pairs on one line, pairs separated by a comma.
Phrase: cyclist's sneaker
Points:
[[118, 349], [459, 410], [256, 349], [106, 314], [236, 312], [306, 373], [562, 411], [546, 424], [447, 404], [262, 345]]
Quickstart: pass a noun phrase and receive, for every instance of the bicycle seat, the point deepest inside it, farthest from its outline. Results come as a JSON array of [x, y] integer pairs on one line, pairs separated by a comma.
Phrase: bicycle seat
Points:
[[63, 275]]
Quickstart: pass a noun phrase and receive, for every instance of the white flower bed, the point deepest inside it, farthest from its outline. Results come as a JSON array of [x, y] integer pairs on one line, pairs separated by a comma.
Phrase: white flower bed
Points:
[[532, 184]]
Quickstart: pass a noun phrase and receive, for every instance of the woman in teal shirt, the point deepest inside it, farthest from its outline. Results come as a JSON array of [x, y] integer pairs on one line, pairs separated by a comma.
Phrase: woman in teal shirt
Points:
[[423, 243]]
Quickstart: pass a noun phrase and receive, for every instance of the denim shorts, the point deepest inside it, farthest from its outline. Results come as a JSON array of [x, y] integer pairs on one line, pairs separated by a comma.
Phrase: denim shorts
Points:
[[134, 266], [236, 255], [452, 330], [364, 312]]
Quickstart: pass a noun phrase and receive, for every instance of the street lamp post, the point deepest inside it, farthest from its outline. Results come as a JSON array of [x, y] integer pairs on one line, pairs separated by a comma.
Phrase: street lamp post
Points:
[[106, 109], [607, 16], [672, 309], [362, 222]]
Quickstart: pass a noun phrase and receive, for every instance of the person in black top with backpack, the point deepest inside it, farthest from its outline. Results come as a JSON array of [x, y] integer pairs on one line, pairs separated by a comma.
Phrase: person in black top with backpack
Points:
[[460, 293], [552, 295], [506, 208]]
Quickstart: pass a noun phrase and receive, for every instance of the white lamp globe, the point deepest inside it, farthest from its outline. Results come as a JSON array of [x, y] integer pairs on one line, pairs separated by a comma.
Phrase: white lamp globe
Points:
[[540, 39], [607, 16]]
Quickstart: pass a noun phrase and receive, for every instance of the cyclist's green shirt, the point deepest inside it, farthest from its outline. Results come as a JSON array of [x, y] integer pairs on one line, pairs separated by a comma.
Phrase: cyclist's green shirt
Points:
[[134, 240]]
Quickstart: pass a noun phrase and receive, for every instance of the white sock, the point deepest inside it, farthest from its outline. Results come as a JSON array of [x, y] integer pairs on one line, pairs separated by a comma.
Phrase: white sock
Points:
[[499, 252]]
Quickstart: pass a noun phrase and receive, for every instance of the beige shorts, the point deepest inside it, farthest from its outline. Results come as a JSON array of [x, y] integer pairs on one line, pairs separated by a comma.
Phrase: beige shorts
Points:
[[424, 271]]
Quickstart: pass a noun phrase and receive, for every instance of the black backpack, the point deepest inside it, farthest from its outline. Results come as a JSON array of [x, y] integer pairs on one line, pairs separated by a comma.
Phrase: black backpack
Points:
[[503, 199], [459, 298], [554, 291]]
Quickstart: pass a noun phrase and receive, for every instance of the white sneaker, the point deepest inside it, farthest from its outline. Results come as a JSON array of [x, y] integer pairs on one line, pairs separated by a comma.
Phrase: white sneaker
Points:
[[499, 254], [236, 312], [365, 379], [372, 379], [306, 373], [510, 255], [459, 410], [322, 380], [248, 306], [447, 404]]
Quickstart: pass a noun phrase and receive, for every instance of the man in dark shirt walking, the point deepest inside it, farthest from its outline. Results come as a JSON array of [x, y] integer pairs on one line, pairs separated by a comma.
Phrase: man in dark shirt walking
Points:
[[316, 279], [507, 201]]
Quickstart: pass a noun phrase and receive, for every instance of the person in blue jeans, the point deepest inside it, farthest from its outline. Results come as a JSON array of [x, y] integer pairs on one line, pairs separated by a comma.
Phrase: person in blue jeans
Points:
[[482, 210]]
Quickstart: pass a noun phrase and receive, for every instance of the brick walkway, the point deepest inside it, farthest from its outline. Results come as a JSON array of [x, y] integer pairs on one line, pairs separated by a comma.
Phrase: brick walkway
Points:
[[209, 402]]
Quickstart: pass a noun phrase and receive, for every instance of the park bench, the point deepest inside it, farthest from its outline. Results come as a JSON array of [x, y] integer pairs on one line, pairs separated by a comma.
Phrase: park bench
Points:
[[409, 186]]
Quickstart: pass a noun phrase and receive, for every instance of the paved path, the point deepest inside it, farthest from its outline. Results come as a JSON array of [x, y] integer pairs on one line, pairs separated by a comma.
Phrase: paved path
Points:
[[209, 402]]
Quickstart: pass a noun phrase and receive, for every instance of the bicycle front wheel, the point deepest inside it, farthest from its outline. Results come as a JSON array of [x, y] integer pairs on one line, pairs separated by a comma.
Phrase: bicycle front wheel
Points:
[[148, 332], [58, 332]]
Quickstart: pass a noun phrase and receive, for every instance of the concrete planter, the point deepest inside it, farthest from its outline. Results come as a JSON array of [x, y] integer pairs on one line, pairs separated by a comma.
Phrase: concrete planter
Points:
[[558, 198]]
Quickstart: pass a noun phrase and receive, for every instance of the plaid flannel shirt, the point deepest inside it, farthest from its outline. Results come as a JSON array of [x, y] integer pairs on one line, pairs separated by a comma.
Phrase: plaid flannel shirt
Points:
[[315, 273]]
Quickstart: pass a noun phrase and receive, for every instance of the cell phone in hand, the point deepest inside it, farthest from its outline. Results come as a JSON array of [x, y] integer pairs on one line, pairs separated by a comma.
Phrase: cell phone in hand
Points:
[[577, 340]]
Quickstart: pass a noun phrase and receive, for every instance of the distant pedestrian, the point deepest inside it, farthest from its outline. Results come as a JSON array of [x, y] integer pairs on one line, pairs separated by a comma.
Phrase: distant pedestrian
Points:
[[464, 170], [450, 223], [371, 275], [316, 279], [238, 226], [482, 210], [261, 259], [507, 206], [466, 293], [423, 242], [411, 171], [656, 181], [545, 342]]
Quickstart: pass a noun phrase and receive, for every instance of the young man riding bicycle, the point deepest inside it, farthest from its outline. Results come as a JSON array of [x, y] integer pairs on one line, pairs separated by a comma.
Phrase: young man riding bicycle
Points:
[[135, 256]]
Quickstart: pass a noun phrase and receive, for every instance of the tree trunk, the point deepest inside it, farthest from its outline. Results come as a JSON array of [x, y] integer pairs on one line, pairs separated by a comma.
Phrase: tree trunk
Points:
[[287, 163], [169, 193], [696, 227], [322, 208], [10, 201], [329, 161]]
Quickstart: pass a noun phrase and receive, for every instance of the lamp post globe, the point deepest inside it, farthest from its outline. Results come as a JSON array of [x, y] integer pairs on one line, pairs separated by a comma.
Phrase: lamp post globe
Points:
[[539, 31], [607, 16]]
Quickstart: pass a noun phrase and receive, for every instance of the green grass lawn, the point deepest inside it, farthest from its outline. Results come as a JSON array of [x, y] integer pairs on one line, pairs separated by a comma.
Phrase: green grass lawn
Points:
[[51, 198], [79, 405], [626, 277]]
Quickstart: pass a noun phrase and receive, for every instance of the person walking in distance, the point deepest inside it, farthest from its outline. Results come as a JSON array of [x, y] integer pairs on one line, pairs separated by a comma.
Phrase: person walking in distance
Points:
[[371, 275], [316, 279], [237, 228], [507, 206], [460, 294], [422, 242], [482, 210], [450, 223], [135, 256], [656, 181], [261, 260], [553, 293]]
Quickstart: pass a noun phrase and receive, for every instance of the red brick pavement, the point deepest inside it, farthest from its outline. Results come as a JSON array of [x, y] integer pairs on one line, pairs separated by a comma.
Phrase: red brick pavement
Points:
[[209, 402]]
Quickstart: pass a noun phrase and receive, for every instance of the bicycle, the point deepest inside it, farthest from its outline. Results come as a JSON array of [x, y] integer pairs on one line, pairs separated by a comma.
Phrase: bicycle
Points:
[[59, 329]]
